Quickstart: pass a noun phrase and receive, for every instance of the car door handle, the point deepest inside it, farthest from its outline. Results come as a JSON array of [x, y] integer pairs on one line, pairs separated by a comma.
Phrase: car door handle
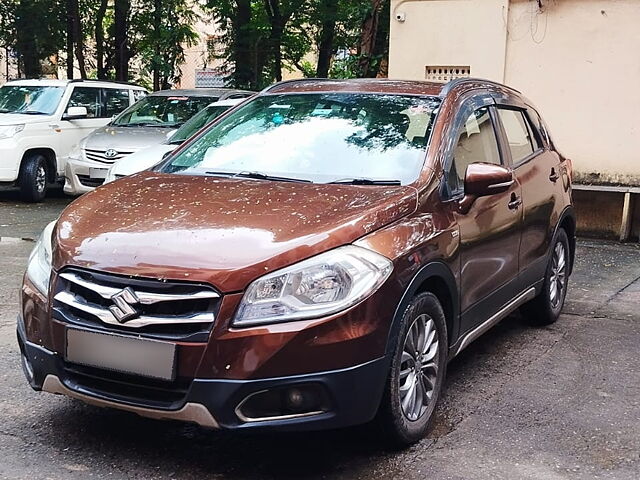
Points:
[[515, 202], [554, 176]]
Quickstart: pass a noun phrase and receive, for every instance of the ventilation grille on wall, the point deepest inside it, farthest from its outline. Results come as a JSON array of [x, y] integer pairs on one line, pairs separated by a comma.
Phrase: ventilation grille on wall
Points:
[[445, 73]]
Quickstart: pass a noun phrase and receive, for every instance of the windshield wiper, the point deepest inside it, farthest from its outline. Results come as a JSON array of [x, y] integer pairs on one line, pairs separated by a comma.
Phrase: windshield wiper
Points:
[[4, 110], [33, 112], [176, 142], [258, 176], [365, 181]]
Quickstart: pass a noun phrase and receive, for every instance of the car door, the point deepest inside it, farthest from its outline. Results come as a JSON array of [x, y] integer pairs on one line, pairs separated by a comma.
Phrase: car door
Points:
[[74, 130], [538, 170], [490, 230]]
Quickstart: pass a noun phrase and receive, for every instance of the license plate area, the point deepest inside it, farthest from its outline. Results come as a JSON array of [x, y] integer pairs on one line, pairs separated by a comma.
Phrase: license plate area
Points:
[[98, 172], [123, 354]]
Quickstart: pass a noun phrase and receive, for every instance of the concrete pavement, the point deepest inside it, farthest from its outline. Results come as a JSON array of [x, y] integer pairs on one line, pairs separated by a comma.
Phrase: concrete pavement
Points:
[[561, 402]]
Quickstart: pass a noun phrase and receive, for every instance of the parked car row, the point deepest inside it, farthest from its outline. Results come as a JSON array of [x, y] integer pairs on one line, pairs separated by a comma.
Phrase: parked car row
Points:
[[73, 131], [312, 259]]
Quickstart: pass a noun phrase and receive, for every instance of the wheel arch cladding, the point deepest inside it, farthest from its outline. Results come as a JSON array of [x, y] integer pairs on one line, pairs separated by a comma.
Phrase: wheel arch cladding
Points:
[[435, 277]]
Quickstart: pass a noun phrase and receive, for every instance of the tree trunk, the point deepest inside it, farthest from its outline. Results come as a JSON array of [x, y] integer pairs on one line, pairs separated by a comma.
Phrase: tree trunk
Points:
[[69, 39], [368, 34], [77, 37], [157, 25], [243, 74], [328, 12], [277, 22], [99, 37], [121, 49]]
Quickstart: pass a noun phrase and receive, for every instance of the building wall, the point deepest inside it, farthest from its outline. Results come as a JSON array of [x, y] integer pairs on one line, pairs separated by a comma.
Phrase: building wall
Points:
[[447, 32], [577, 60]]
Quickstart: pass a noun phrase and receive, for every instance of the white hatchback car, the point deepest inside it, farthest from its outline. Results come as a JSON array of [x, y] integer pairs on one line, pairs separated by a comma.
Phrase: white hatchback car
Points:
[[41, 120], [150, 156]]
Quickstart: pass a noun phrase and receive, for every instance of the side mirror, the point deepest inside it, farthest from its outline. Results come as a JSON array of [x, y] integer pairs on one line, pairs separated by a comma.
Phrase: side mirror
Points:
[[74, 113], [482, 180]]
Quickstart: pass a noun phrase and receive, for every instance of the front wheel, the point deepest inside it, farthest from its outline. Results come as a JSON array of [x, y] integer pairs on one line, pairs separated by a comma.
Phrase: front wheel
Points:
[[417, 372], [546, 307], [33, 178]]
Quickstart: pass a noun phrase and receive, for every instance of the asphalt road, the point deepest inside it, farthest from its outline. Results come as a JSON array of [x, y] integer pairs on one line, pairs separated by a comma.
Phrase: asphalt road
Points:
[[561, 402]]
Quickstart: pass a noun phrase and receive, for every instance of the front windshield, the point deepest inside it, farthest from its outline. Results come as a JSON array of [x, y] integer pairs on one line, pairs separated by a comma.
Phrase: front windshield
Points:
[[323, 138], [162, 111], [33, 100], [198, 121]]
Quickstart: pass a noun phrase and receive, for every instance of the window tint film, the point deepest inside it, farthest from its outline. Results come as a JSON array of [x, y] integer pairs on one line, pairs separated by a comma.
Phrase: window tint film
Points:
[[476, 143], [321, 138], [115, 101], [86, 97], [518, 134]]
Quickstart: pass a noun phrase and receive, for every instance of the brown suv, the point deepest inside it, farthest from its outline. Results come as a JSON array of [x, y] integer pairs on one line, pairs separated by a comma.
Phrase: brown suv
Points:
[[311, 259]]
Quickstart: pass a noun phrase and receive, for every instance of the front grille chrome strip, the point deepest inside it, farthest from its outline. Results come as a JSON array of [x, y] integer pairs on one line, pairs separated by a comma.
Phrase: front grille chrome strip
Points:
[[106, 316], [145, 298]]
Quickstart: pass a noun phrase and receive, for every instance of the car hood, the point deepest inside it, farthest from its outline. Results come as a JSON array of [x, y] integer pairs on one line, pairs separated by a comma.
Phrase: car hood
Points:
[[222, 231], [125, 138], [142, 159], [17, 118]]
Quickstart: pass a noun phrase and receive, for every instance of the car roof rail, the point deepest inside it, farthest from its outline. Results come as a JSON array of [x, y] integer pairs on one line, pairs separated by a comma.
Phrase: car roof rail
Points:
[[119, 82], [459, 81]]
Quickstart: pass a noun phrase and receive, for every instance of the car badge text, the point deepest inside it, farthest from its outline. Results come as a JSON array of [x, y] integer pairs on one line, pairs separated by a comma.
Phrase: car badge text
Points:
[[124, 302]]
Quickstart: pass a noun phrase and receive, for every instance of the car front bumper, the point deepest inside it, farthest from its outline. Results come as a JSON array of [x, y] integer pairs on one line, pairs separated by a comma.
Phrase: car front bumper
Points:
[[80, 175], [353, 393]]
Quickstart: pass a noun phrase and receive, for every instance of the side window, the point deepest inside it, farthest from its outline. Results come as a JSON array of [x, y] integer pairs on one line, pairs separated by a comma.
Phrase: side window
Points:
[[115, 100], [87, 97], [138, 94], [538, 126], [476, 142], [518, 134]]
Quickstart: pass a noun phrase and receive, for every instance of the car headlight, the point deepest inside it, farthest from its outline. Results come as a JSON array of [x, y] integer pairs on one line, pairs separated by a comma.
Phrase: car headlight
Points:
[[39, 266], [319, 286], [8, 131]]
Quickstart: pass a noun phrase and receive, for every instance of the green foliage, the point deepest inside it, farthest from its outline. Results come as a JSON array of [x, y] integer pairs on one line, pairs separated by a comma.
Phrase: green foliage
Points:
[[162, 29], [258, 40]]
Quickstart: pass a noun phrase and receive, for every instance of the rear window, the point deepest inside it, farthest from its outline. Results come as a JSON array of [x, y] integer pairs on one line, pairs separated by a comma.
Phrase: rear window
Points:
[[162, 111]]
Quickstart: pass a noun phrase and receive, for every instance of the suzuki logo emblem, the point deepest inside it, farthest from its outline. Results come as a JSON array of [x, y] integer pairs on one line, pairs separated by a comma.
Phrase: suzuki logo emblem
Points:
[[111, 153], [124, 308]]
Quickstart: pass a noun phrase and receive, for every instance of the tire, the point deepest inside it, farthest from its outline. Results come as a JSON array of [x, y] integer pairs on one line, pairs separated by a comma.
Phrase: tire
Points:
[[33, 178], [406, 422], [546, 307]]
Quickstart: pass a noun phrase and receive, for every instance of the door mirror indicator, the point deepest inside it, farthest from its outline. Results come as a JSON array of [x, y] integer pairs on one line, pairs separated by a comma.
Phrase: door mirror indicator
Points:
[[75, 113], [482, 180]]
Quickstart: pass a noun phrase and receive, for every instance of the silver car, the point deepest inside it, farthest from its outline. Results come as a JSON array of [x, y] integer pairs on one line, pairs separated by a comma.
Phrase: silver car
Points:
[[147, 122]]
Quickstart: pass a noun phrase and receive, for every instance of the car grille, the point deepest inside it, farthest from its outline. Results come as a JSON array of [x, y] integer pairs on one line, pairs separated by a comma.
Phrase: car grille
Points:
[[100, 155], [87, 181], [149, 308]]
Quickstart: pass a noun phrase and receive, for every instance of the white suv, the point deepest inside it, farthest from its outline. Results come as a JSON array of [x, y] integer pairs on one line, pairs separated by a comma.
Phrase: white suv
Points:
[[41, 120]]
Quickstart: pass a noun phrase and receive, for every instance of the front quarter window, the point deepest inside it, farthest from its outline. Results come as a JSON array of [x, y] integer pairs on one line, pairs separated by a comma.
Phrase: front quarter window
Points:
[[321, 138]]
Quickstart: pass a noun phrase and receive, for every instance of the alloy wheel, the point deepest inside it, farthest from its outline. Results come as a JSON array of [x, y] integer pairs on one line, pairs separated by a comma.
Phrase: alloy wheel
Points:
[[558, 279], [418, 367], [41, 179]]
